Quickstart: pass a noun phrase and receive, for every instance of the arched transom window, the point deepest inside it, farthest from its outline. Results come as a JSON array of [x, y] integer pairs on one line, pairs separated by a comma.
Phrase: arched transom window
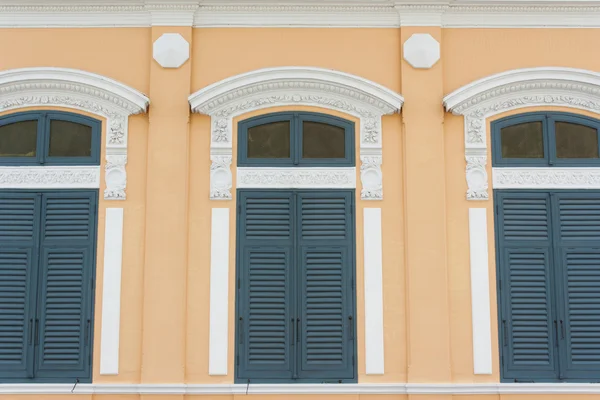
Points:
[[546, 140], [296, 139]]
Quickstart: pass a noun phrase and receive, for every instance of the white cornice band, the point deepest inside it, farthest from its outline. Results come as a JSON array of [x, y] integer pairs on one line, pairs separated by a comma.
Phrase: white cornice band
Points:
[[511, 90], [297, 13], [296, 86], [85, 91], [306, 389]]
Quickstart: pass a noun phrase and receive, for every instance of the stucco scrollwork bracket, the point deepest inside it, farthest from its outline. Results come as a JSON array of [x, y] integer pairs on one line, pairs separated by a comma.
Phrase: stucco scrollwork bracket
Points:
[[83, 91]]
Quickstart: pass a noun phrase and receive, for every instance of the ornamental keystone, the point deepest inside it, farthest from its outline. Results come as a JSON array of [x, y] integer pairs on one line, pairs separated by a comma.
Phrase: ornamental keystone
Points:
[[421, 50], [171, 50]]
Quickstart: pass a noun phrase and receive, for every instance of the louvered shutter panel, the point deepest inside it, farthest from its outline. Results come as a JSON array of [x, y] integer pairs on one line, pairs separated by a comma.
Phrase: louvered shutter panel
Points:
[[578, 219], [526, 287], [65, 303], [19, 216], [326, 270], [265, 254]]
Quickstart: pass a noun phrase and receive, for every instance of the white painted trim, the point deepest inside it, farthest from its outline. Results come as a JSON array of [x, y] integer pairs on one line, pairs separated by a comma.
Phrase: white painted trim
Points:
[[50, 177], [219, 297], [296, 86], [84, 91], [546, 178], [296, 178], [512, 90], [291, 389], [299, 14], [111, 292], [480, 292], [373, 253]]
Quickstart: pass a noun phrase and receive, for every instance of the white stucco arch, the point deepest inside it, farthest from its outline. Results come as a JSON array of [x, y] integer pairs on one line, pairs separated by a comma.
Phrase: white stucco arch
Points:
[[510, 90], [78, 90], [302, 86]]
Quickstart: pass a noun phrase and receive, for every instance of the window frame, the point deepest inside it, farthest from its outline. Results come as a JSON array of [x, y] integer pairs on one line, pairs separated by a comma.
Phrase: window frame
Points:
[[548, 120], [296, 160], [44, 119]]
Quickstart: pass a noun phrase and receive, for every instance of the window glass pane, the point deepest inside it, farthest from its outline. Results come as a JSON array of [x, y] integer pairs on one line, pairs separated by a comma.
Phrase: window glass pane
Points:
[[322, 140], [523, 140], [576, 141], [270, 140], [18, 139], [69, 139]]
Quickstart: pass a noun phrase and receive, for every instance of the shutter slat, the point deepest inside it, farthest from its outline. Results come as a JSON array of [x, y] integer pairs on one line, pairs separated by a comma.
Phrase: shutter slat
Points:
[[525, 218]]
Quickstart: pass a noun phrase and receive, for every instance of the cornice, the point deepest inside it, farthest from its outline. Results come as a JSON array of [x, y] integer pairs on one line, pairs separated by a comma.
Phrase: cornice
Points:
[[297, 13], [68, 81], [326, 87], [526, 83]]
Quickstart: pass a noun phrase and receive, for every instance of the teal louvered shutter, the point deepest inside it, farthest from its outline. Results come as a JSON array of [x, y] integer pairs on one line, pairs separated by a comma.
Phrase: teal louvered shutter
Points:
[[527, 321], [577, 216], [19, 216], [326, 273], [63, 335], [265, 253]]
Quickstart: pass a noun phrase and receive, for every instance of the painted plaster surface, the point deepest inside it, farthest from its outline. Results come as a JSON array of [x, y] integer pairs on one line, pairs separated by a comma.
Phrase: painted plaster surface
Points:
[[164, 335]]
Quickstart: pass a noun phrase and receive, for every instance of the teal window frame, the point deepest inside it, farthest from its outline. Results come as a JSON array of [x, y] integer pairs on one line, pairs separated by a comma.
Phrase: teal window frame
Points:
[[44, 118]]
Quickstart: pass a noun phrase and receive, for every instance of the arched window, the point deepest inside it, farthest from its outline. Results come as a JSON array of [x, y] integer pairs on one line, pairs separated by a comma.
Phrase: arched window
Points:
[[47, 250], [546, 140], [548, 259], [296, 139], [49, 138], [296, 255]]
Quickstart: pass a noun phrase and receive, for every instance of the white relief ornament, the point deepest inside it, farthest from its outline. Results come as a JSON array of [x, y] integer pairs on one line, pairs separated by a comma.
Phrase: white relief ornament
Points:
[[49, 177], [115, 177], [546, 178], [371, 178], [477, 180], [116, 135], [220, 131], [371, 131], [296, 178], [220, 178], [475, 130]]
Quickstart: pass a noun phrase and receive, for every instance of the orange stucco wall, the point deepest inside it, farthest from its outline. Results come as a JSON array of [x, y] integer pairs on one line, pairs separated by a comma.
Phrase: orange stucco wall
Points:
[[166, 253]]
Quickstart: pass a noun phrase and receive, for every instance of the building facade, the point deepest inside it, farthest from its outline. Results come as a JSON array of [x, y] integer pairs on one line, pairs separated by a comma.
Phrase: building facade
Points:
[[382, 199]]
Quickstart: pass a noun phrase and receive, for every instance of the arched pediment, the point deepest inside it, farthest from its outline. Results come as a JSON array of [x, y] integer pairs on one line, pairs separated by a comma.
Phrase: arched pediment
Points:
[[84, 91], [301, 86], [510, 90]]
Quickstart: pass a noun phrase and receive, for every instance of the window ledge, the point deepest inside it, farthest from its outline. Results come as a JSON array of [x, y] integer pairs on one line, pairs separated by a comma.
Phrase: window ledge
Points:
[[359, 388]]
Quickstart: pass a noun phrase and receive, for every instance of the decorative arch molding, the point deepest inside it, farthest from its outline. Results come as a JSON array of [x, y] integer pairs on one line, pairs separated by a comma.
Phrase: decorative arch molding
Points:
[[302, 86], [510, 90], [79, 90]]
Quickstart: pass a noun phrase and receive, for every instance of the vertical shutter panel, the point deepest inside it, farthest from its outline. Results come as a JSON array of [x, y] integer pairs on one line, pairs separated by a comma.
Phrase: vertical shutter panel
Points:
[[19, 214], [264, 331], [65, 305], [578, 216], [525, 259], [326, 273]]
